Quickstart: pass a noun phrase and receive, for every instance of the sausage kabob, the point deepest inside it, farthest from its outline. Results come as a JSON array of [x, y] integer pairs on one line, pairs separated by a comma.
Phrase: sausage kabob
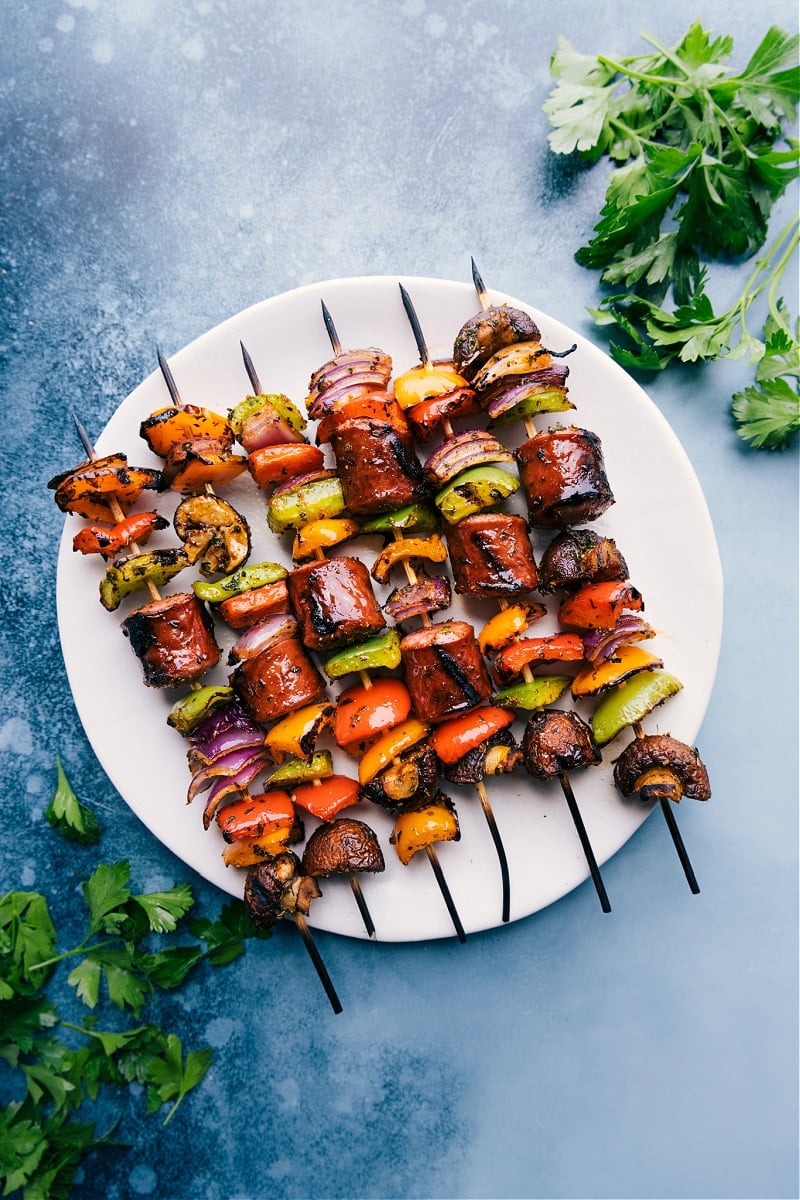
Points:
[[173, 637], [304, 497], [382, 487], [490, 551], [277, 681], [564, 480]]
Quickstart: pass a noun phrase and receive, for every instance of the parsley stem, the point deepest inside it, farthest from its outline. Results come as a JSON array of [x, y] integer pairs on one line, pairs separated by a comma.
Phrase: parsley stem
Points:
[[79, 949]]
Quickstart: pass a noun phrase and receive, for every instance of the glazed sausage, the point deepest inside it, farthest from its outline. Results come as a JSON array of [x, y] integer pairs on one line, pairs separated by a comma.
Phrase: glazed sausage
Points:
[[491, 555], [278, 680], [377, 465], [173, 639], [334, 603], [444, 670], [563, 474]]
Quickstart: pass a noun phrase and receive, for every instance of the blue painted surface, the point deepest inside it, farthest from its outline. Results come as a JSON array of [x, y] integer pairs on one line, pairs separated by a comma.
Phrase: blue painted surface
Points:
[[167, 164]]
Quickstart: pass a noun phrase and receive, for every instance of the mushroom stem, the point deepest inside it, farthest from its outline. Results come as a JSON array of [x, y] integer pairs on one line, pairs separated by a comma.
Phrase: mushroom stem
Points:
[[575, 813], [446, 894], [483, 796], [316, 959]]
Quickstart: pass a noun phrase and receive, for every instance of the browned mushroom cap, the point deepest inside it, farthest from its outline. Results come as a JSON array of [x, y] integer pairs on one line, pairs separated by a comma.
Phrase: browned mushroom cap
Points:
[[658, 766], [498, 755], [277, 887], [489, 331], [409, 782], [216, 537], [578, 556], [556, 741], [343, 844]]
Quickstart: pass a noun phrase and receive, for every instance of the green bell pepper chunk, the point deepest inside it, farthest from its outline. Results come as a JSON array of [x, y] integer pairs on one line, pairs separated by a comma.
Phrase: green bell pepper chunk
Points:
[[303, 770], [541, 400], [310, 501], [253, 404], [630, 702], [380, 651], [187, 713], [414, 517], [474, 490], [254, 575], [129, 574], [536, 693]]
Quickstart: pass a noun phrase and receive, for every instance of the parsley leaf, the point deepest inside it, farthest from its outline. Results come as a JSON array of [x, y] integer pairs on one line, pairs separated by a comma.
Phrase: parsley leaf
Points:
[[696, 173], [68, 815], [168, 1076]]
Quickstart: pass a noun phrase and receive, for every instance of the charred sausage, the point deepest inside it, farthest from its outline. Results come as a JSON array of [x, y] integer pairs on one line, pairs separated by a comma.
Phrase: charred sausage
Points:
[[334, 603], [563, 474], [491, 555], [278, 680], [173, 639], [444, 670], [377, 465]]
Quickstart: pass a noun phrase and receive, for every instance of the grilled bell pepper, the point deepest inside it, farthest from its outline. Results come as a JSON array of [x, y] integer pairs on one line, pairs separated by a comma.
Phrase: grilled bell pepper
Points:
[[129, 574], [432, 548], [536, 693], [190, 467], [303, 770], [539, 398], [272, 465], [322, 534], [559, 647], [188, 712], [254, 575], [453, 739], [473, 491], [362, 713], [600, 605], [327, 798], [414, 831], [309, 500], [427, 381], [380, 651], [412, 518], [252, 405], [389, 745], [297, 733], [630, 702], [506, 625], [254, 815], [624, 663], [99, 539], [88, 489], [168, 427]]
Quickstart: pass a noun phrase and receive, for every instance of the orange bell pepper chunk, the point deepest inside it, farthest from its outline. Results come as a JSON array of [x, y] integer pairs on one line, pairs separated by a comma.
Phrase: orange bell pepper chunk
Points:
[[327, 797], [426, 382], [600, 605], [272, 465], [322, 534], [453, 739], [255, 815], [413, 831], [191, 465], [98, 539], [363, 713], [560, 647], [389, 745], [170, 427], [297, 733]]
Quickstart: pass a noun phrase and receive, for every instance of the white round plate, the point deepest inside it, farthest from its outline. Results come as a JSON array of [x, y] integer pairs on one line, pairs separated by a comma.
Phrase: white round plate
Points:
[[660, 522]]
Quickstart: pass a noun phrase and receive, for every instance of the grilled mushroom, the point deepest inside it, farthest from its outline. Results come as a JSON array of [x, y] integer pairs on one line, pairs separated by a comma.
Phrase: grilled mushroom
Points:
[[342, 845], [657, 766], [276, 888]]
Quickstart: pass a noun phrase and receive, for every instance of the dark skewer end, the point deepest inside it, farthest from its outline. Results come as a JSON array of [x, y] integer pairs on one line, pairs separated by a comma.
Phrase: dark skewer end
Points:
[[252, 374], [413, 320], [672, 825], [331, 328], [446, 894], [480, 286], [366, 916], [316, 958], [86, 441], [577, 819], [169, 379]]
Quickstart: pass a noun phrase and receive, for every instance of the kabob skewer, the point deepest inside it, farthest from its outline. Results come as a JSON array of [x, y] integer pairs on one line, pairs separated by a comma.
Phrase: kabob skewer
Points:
[[155, 597], [586, 755]]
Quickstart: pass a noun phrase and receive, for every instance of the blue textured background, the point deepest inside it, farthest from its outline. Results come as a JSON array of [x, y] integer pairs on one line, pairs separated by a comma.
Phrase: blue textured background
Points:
[[165, 164]]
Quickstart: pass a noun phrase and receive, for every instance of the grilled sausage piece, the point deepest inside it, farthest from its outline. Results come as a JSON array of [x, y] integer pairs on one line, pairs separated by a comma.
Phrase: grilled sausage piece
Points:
[[173, 639], [491, 555], [377, 465], [579, 556], [563, 474], [278, 680], [334, 603], [556, 741], [444, 670]]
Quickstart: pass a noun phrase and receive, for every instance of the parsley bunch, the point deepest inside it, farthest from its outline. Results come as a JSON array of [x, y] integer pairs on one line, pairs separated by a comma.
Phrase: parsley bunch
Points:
[[696, 174], [125, 956]]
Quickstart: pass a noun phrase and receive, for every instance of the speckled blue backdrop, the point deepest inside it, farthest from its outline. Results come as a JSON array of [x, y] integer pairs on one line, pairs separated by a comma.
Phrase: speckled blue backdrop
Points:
[[165, 164]]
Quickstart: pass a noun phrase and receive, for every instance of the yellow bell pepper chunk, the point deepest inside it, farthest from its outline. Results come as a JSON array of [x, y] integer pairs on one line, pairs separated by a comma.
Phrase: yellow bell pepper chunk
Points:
[[432, 548], [388, 746], [425, 382], [507, 624], [413, 831], [626, 661], [296, 735], [321, 535]]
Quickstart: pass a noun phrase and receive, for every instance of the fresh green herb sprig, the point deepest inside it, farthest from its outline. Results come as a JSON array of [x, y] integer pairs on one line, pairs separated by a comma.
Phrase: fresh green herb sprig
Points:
[[696, 173], [125, 956]]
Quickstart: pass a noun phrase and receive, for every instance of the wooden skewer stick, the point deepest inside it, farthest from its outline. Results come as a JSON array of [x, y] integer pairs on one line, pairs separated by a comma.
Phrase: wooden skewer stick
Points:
[[675, 833], [117, 513], [432, 856], [355, 883]]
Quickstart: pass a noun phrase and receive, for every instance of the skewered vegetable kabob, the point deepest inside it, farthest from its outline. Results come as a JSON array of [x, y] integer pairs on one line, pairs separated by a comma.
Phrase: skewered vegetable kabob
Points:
[[383, 489], [490, 551], [332, 608], [565, 483], [175, 643]]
